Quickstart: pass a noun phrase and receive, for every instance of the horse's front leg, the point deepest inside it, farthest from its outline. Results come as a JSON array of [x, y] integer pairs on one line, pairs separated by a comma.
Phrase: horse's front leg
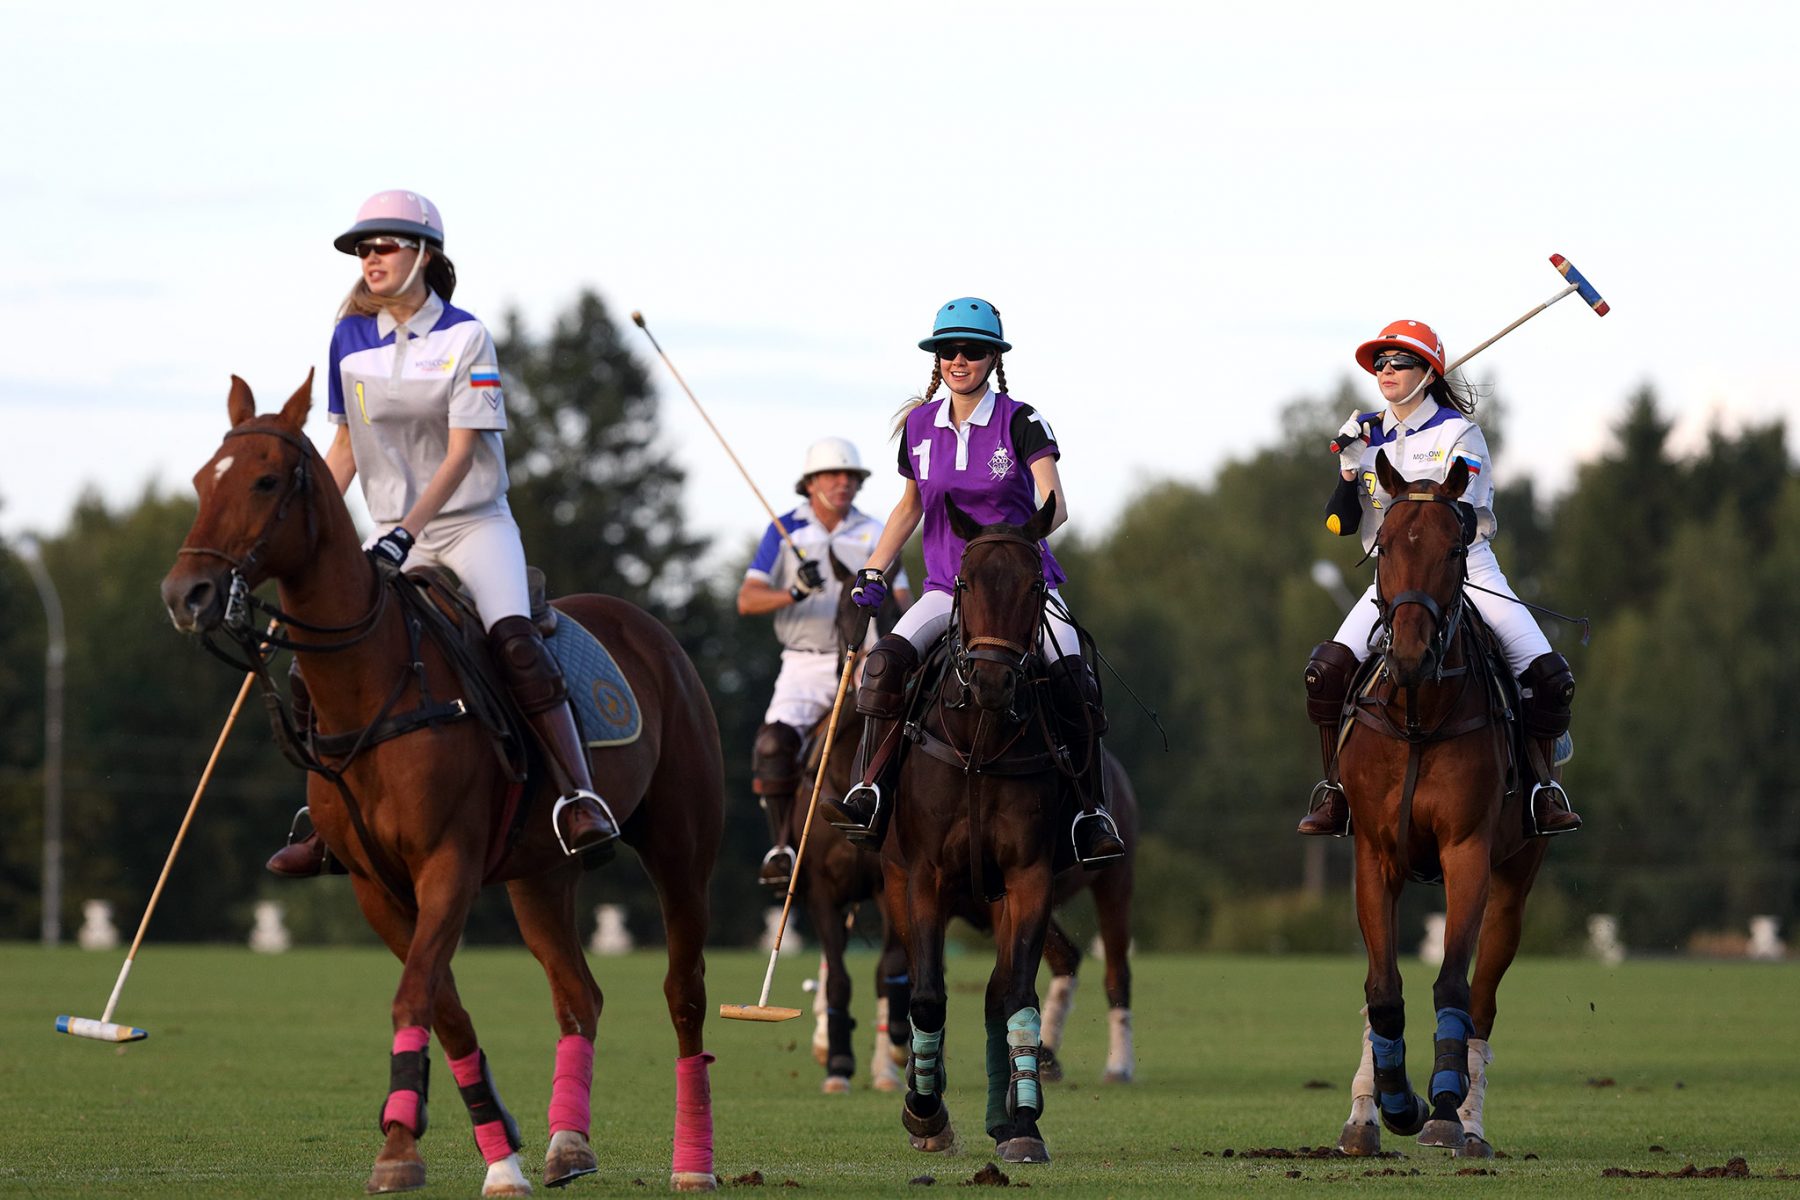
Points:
[[1014, 1031], [921, 914], [1378, 884], [1466, 874], [893, 984], [840, 1058], [1500, 930]]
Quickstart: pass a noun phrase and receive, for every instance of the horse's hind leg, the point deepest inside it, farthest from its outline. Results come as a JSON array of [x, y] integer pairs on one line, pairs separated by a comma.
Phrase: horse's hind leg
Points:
[[894, 987], [1466, 874], [544, 906], [1112, 902], [840, 1059], [1063, 957], [1500, 930], [1377, 912]]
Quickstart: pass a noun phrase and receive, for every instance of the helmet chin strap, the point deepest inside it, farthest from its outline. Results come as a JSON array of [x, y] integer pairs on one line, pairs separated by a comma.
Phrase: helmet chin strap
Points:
[[1424, 382], [412, 276]]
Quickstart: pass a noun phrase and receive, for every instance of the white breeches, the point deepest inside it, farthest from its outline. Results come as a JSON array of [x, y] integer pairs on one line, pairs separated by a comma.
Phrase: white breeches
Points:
[[926, 620], [1520, 638], [488, 558], [804, 689]]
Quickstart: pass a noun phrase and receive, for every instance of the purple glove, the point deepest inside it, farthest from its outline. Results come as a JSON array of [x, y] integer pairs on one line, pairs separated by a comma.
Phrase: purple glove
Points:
[[869, 591]]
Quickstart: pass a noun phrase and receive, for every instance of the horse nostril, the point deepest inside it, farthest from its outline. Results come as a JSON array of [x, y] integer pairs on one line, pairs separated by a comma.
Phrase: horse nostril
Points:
[[199, 597]]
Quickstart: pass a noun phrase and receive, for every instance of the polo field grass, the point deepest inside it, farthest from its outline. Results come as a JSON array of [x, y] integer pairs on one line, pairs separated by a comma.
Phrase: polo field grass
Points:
[[262, 1076]]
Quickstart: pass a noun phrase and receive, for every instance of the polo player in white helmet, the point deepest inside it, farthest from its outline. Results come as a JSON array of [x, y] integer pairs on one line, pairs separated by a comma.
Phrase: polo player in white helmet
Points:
[[803, 597]]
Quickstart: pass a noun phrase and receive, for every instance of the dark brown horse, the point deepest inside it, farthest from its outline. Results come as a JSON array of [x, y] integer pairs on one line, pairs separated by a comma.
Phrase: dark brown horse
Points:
[[1424, 770], [414, 818], [980, 812]]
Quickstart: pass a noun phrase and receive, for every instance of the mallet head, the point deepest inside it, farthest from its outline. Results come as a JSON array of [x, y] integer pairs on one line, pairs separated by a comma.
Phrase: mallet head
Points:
[[1582, 286], [100, 1031]]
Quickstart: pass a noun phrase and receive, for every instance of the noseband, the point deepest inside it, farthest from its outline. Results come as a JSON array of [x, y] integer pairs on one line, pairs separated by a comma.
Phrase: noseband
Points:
[[1003, 652], [1444, 625]]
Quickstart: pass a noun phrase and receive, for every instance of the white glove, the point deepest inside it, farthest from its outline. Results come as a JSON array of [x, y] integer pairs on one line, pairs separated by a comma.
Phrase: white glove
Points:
[[1350, 437]]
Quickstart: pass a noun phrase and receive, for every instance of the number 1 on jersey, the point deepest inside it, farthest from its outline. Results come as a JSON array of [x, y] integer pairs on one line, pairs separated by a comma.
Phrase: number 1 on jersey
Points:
[[922, 452]]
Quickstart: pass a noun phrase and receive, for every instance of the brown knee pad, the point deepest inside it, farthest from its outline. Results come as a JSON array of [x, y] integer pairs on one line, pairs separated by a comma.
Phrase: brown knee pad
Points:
[[775, 760], [1547, 693], [883, 690], [531, 672], [1328, 676]]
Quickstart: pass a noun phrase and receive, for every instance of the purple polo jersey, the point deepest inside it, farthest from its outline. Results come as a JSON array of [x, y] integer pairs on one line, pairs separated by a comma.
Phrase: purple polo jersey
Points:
[[986, 470]]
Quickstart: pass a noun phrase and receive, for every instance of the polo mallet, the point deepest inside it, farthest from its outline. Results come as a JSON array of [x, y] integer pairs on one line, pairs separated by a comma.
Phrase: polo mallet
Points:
[[637, 318], [104, 1030], [1577, 283], [762, 1010]]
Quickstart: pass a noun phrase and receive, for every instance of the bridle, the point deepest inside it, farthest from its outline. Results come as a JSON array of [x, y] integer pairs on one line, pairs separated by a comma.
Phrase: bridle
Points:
[[1014, 657], [1444, 624], [240, 603]]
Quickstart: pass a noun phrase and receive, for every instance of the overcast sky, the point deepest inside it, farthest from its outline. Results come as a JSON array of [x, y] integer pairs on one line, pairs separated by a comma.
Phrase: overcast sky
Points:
[[1187, 213]]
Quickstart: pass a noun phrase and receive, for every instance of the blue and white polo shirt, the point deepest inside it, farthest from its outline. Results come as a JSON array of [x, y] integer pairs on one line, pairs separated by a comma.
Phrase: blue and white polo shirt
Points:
[[809, 625], [1425, 447]]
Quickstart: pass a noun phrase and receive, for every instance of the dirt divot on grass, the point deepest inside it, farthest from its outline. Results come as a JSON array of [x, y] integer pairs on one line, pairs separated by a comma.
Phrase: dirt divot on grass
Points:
[[1736, 1168], [988, 1176]]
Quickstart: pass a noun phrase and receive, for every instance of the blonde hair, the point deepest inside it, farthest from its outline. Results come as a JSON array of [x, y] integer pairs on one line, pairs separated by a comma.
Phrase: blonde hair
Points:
[[937, 377], [440, 277]]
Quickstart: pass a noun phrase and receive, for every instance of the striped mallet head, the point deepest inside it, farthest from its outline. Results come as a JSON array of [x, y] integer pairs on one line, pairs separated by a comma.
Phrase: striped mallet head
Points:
[[1582, 286]]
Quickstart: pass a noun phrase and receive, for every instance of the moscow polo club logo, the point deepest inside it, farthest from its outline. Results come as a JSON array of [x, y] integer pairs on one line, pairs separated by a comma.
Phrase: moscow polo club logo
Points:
[[1000, 463]]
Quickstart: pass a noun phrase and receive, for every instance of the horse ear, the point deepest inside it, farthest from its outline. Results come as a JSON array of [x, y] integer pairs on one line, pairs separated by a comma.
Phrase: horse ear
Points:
[[1390, 480], [294, 412], [839, 571], [240, 406], [1457, 481], [961, 523], [1038, 528]]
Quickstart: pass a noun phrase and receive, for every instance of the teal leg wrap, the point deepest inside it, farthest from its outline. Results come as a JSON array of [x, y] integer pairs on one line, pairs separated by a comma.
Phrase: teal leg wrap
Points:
[[1023, 1036], [999, 1074], [926, 1068]]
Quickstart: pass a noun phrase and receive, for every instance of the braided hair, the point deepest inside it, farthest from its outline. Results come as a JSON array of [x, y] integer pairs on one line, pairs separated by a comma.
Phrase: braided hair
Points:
[[924, 397]]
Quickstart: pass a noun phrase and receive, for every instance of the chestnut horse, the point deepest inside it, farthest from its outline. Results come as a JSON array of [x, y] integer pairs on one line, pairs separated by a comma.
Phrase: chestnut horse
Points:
[[412, 816], [1423, 766], [980, 811]]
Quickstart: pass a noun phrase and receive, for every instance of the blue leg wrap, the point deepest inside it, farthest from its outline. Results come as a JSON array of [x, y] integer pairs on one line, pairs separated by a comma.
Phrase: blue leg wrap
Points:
[[1450, 1071], [1023, 1036], [925, 1067], [1391, 1085]]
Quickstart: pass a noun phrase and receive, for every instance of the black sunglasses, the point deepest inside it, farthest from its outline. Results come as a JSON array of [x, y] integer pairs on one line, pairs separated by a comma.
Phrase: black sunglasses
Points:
[[386, 245], [973, 351], [1400, 362]]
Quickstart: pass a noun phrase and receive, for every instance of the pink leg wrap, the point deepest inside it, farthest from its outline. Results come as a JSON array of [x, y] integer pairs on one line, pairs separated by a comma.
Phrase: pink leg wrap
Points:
[[490, 1138], [573, 1085], [693, 1115], [404, 1106]]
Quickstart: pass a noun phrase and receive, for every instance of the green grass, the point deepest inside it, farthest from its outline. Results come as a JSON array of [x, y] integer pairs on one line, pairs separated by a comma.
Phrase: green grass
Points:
[[262, 1077]]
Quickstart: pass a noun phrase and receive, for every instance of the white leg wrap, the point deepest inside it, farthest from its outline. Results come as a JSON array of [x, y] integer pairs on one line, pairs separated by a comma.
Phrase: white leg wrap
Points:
[[504, 1178], [1121, 1054], [881, 1031], [1362, 1088], [1480, 1055], [821, 1038], [1057, 1007]]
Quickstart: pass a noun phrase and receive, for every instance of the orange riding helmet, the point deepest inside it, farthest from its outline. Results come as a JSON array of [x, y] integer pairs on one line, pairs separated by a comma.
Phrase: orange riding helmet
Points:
[[1415, 337]]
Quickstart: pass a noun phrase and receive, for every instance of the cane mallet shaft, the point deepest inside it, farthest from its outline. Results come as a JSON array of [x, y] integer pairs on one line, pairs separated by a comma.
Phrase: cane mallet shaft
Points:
[[1577, 283], [104, 1030], [761, 1010], [637, 318]]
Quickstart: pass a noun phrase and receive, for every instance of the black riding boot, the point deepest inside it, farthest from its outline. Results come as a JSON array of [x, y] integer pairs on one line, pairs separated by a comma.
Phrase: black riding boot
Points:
[[581, 819], [863, 811], [1327, 683], [1546, 695], [1080, 720], [304, 857], [774, 776]]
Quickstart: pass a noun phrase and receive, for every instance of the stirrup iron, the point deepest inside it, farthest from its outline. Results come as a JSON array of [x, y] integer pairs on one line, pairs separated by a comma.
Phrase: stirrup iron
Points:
[[860, 834], [1555, 797], [1321, 798], [575, 797], [1111, 826]]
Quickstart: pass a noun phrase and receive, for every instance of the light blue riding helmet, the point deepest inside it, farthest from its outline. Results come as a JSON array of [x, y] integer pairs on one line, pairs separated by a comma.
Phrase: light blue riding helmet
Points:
[[967, 319]]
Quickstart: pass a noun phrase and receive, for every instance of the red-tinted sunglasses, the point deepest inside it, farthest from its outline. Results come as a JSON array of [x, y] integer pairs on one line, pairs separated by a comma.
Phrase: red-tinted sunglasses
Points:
[[384, 245]]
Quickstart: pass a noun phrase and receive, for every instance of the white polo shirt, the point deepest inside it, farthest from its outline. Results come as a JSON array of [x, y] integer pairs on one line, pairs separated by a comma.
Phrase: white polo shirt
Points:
[[401, 389], [810, 624], [1425, 447]]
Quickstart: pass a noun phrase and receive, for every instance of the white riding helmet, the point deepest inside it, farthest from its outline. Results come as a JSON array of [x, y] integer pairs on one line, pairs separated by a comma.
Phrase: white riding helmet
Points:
[[830, 454]]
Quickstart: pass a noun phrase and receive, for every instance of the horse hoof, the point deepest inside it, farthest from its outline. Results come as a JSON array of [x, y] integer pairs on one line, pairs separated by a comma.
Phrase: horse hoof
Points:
[[1445, 1134], [693, 1181], [836, 1085], [1117, 1075], [505, 1179], [887, 1077], [1360, 1140], [1474, 1146], [569, 1157], [1023, 1150], [395, 1177], [1049, 1066], [931, 1134], [821, 1052], [939, 1143]]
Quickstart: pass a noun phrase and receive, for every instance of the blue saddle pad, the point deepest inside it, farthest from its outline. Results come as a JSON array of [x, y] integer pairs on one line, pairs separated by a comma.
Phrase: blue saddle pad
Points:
[[598, 689]]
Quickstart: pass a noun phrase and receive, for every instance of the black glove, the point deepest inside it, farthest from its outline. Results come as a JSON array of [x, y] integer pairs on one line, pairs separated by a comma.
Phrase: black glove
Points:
[[389, 550], [812, 579]]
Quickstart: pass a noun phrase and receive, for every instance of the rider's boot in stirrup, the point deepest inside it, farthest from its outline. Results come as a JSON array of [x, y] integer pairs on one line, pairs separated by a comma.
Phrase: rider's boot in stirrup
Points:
[[1328, 677], [1080, 719], [1546, 696], [863, 811], [301, 858], [774, 777], [581, 819]]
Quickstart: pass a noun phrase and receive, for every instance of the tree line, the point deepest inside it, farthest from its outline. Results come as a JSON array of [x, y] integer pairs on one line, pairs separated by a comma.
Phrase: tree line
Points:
[[1203, 597]]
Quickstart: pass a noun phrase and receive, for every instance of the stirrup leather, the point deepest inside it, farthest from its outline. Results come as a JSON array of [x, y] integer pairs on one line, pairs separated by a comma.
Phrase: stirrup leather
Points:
[[575, 797], [1111, 826]]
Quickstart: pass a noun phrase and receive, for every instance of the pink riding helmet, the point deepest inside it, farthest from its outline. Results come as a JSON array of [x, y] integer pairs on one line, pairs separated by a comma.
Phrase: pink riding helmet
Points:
[[404, 214]]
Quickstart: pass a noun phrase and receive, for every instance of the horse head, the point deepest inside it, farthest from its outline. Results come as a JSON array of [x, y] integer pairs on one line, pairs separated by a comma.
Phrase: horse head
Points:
[[1000, 593], [258, 515], [1420, 564]]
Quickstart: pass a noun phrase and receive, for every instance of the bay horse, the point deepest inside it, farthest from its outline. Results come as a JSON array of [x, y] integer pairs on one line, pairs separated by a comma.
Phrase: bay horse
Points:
[[979, 814], [413, 816], [1423, 766]]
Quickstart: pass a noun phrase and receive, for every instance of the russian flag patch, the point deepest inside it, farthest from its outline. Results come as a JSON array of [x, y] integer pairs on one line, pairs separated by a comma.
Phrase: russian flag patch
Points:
[[484, 377], [1474, 464]]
